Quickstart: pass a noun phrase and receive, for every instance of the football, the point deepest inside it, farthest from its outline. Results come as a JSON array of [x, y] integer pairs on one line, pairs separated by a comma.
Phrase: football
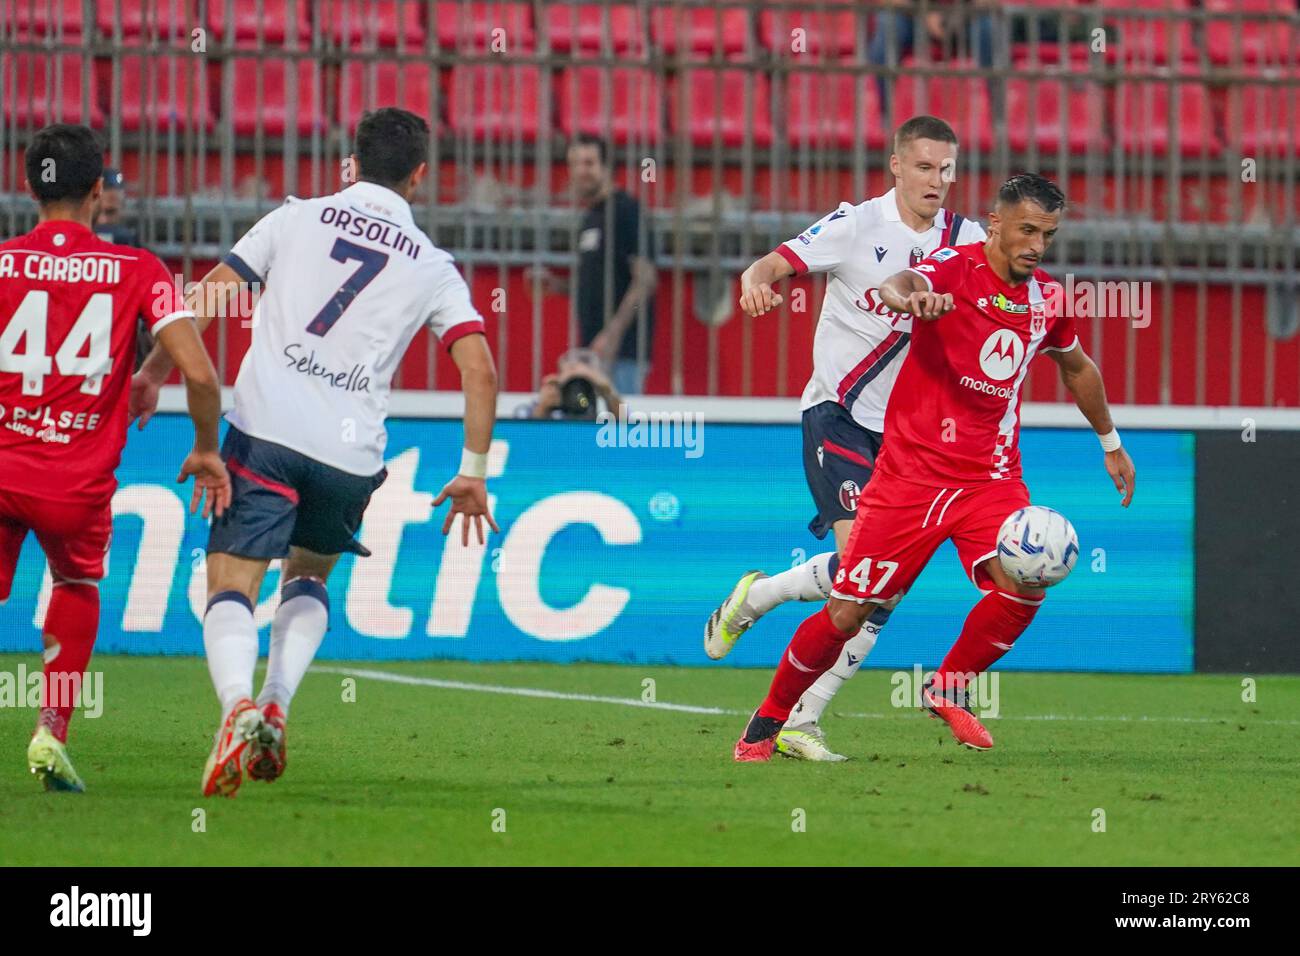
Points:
[[1038, 546]]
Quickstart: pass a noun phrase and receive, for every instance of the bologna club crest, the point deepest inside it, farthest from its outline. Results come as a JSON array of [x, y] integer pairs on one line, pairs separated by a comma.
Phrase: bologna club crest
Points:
[[849, 495]]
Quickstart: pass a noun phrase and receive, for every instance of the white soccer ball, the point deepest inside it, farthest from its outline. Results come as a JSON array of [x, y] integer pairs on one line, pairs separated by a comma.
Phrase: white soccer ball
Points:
[[1038, 546]]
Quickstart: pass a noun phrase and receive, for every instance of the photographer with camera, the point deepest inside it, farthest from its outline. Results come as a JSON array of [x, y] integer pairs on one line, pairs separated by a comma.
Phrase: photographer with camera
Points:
[[576, 390]]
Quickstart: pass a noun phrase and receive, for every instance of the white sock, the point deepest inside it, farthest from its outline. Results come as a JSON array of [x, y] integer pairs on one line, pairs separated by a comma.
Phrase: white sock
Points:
[[816, 698], [810, 581], [296, 634], [230, 642]]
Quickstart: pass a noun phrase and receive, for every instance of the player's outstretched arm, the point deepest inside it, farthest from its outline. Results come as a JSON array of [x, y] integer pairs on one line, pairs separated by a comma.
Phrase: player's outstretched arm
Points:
[[181, 343], [907, 292], [468, 490], [756, 294], [1082, 377], [206, 301]]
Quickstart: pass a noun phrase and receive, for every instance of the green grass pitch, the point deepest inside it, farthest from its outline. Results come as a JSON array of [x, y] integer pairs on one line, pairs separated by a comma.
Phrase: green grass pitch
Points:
[[1185, 772]]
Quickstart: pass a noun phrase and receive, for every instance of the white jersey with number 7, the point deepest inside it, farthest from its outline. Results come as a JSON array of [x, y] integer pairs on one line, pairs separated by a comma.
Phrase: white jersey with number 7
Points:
[[347, 281]]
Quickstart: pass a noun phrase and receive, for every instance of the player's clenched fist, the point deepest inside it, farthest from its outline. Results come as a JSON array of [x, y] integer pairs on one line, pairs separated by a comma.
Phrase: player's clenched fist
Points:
[[759, 299], [929, 305]]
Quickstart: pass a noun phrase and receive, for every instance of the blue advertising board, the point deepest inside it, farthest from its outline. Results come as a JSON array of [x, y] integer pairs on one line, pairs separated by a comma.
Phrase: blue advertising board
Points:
[[614, 552]]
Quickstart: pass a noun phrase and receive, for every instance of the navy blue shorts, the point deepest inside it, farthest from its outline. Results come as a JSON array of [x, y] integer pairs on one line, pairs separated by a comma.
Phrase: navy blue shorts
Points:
[[283, 498], [838, 455]]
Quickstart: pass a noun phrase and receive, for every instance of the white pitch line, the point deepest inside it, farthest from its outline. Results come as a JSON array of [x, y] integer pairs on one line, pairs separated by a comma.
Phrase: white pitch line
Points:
[[525, 691], [722, 711]]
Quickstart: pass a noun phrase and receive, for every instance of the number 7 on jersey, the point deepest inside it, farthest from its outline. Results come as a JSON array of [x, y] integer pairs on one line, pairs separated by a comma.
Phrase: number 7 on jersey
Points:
[[372, 263]]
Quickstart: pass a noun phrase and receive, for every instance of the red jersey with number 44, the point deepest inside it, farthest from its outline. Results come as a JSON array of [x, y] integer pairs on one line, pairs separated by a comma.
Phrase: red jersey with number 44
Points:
[[68, 308], [954, 416]]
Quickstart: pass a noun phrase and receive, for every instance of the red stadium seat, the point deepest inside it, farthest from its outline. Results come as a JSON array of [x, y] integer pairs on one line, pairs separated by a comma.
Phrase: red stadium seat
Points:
[[964, 101], [272, 25], [470, 25], [497, 101], [44, 17], [582, 27], [701, 31], [385, 23], [824, 33], [822, 108], [365, 90], [1269, 119], [1143, 122], [716, 103], [635, 103], [1148, 39], [1045, 51], [1275, 41], [272, 113], [39, 89], [146, 18], [164, 92], [1083, 124]]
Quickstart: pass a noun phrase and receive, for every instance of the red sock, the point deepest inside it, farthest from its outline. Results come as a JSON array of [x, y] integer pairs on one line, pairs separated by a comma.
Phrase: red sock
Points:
[[70, 628], [814, 648], [991, 628]]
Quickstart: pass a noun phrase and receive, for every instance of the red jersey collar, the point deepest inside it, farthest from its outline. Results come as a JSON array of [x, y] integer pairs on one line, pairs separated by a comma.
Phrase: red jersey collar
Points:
[[61, 225]]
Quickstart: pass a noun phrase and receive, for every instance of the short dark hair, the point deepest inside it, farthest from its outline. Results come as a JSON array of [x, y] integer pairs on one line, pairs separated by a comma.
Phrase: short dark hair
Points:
[[590, 139], [1035, 188], [391, 144], [924, 127], [64, 162]]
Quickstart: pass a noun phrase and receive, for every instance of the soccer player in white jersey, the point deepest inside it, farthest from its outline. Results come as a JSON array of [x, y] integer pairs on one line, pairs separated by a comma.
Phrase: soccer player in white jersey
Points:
[[857, 352], [347, 281]]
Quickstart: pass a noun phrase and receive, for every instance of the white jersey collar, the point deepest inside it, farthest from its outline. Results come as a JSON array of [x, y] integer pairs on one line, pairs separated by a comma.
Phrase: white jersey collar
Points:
[[891, 214], [379, 201]]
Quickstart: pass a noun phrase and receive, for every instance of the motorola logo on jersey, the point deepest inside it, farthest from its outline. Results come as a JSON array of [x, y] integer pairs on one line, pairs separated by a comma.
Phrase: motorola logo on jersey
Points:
[[849, 492], [1001, 354]]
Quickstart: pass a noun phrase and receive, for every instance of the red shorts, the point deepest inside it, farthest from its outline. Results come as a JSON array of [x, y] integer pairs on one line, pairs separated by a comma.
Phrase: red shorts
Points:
[[900, 524], [74, 537]]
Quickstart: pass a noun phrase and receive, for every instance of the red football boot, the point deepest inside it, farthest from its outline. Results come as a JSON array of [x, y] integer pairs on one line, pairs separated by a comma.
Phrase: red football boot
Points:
[[225, 768], [766, 730], [266, 752], [950, 706]]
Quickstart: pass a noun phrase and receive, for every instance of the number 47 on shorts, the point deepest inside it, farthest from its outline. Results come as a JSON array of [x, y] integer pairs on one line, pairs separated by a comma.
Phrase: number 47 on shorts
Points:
[[861, 576]]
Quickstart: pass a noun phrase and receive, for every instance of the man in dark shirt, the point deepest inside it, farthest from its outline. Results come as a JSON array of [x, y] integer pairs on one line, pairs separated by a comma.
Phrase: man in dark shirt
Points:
[[616, 274], [109, 226]]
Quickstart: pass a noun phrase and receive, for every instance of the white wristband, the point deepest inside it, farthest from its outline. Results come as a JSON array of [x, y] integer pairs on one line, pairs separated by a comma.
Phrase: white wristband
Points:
[[473, 464], [1109, 441]]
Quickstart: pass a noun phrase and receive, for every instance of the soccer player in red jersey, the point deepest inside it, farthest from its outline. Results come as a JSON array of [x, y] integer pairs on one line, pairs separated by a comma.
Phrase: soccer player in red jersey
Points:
[[950, 468], [68, 308]]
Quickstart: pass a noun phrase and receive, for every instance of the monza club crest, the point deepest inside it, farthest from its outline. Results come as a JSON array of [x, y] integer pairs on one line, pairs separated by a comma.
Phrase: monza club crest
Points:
[[849, 494], [1037, 319]]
